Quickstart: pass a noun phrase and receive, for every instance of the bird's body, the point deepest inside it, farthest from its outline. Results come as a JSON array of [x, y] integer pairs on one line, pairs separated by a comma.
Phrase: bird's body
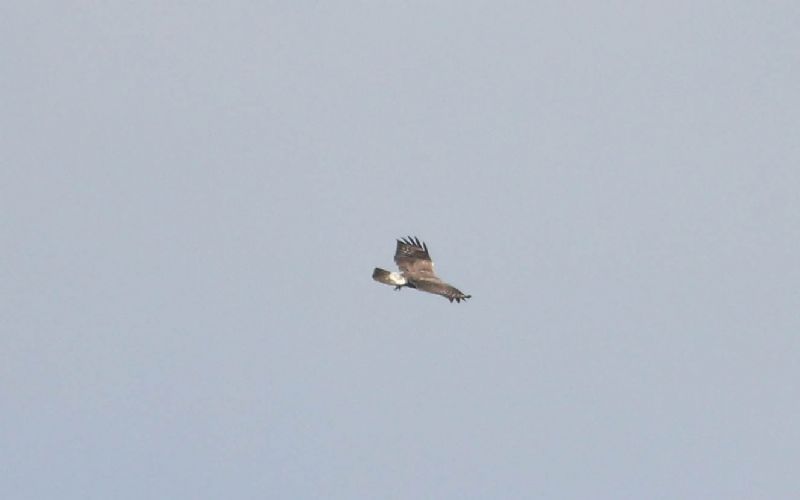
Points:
[[416, 271]]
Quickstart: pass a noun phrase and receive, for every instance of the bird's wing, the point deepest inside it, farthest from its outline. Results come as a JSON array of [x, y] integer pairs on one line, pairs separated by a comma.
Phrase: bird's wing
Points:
[[413, 259], [439, 287]]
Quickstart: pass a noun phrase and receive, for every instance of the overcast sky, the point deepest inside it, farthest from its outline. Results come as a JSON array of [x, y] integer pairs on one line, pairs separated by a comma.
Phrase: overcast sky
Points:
[[194, 195]]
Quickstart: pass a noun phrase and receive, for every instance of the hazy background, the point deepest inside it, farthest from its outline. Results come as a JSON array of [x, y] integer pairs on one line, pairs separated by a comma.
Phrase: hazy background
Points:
[[194, 195]]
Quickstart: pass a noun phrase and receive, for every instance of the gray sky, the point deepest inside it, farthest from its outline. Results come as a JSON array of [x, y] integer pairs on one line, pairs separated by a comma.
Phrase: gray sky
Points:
[[195, 195]]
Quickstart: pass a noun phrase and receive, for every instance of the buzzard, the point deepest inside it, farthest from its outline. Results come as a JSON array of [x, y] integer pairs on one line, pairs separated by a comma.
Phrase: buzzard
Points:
[[416, 271]]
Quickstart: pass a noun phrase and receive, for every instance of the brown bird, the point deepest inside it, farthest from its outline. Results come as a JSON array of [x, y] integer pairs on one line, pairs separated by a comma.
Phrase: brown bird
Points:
[[416, 271]]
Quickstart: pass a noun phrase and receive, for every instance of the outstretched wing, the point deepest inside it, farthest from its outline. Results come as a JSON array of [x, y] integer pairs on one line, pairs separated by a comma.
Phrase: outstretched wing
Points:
[[439, 287], [413, 259]]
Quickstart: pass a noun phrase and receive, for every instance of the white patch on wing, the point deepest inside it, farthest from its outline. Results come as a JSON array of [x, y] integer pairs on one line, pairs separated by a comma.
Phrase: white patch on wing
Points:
[[397, 279]]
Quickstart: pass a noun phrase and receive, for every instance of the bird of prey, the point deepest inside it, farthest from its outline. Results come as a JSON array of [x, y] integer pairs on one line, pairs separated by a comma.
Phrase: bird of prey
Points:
[[416, 271]]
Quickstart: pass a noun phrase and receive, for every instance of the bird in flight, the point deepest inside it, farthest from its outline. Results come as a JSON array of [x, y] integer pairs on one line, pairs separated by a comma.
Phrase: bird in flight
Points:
[[416, 271]]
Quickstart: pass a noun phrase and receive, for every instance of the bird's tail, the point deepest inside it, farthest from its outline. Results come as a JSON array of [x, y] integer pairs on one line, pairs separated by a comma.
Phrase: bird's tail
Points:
[[387, 277]]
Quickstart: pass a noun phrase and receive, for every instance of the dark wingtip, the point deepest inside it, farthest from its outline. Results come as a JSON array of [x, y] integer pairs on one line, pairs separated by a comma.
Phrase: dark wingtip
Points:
[[413, 241]]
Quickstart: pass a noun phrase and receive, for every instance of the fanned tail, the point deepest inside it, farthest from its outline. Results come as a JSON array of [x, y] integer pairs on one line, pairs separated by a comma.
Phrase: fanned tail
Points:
[[388, 278]]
